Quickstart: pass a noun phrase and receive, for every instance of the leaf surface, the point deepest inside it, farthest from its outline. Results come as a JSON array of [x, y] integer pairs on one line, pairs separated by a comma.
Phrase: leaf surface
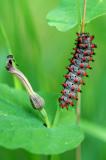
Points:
[[21, 127], [68, 13]]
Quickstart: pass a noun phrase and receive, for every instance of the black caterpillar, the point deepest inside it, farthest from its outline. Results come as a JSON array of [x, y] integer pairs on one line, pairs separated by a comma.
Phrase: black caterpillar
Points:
[[83, 54]]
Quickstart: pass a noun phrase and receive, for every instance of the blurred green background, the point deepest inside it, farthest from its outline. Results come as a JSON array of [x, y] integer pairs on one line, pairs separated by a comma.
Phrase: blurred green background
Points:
[[42, 53]]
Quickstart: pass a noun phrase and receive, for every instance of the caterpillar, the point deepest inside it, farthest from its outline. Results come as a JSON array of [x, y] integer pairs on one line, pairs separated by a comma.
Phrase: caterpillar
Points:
[[79, 63]]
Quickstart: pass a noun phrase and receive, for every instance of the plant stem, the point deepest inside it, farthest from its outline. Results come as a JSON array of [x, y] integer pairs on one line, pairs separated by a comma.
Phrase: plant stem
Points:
[[78, 115], [83, 18], [45, 117], [36, 100], [55, 157], [78, 153], [78, 109]]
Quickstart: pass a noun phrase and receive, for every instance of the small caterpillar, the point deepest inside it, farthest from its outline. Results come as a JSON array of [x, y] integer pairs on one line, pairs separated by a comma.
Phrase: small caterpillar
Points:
[[79, 63]]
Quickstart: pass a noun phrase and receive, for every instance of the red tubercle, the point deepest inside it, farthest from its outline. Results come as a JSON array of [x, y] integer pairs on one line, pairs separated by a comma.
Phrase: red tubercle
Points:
[[72, 61], [89, 67], [73, 97], [70, 69], [67, 101], [84, 59], [63, 92], [83, 45], [91, 59], [75, 55], [85, 53], [64, 84], [76, 80], [71, 103], [61, 98], [63, 105], [93, 46], [78, 73], [79, 63], [78, 34], [92, 53], [91, 38], [79, 90], [79, 81], [72, 88], [79, 39], [67, 76], [75, 49], [85, 74]]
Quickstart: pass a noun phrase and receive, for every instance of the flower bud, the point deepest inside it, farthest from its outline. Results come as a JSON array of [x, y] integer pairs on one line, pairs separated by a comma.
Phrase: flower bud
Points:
[[36, 100]]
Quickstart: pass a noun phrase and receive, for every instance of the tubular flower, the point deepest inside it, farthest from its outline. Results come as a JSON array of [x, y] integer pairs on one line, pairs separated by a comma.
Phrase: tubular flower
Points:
[[36, 100]]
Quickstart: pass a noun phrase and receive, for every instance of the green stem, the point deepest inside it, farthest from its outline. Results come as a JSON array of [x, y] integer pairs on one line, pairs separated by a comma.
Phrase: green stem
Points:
[[36, 100], [55, 157], [45, 117]]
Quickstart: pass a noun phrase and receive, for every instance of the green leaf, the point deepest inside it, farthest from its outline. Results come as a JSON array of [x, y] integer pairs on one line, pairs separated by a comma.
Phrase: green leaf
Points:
[[20, 126], [94, 130], [64, 16], [67, 14]]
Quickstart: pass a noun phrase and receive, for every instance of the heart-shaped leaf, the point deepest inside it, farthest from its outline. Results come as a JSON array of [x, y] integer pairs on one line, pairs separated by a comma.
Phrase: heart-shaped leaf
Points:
[[68, 14], [21, 127]]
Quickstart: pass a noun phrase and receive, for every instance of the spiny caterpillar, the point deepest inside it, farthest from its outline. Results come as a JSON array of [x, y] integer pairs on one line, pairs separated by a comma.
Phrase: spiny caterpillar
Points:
[[82, 55]]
